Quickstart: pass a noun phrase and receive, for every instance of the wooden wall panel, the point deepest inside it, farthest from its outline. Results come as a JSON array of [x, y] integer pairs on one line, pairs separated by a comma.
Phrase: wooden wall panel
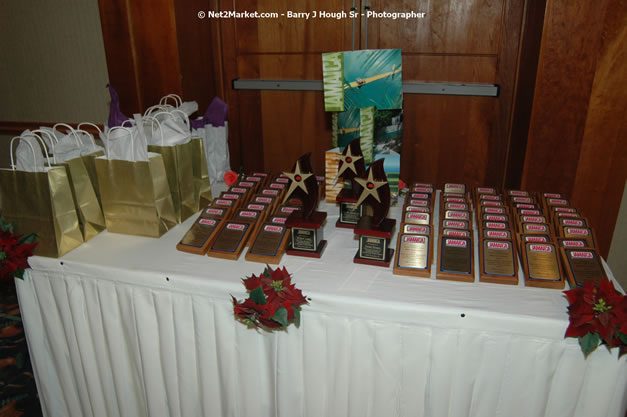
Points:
[[269, 130], [527, 64], [200, 62], [142, 51], [446, 140], [463, 139], [568, 57], [602, 166], [449, 27]]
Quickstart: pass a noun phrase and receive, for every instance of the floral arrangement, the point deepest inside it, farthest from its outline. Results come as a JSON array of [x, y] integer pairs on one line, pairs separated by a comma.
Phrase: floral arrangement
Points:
[[273, 301], [597, 315], [14, 251]]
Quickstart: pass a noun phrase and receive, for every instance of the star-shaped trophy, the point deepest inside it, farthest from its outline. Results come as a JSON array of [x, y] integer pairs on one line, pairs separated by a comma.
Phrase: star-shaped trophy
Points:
[[351, 167], [374, 230], [306, 223]]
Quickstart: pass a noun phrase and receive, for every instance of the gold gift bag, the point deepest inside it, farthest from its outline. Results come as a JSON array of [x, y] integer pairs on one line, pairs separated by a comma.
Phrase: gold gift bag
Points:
[[135, 195], [177, 161], [41, 202], [202, 182], [188, 176], [90, 217]]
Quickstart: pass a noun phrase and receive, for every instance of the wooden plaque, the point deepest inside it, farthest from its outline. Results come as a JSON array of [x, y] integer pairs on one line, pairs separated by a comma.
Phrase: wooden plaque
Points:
[[199, 236], [215, 212], [455, 259], [541, 265], [456, 232], [416, 218], [582, 265], [416, 229], [268, 245], [413, 255], [498, 261], [497, 233], [455, 188], [230, 240], [580, 233]]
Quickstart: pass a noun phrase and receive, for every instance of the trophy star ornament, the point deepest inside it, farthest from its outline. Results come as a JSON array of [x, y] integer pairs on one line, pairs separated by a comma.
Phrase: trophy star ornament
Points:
[[297, 181], [348, 162], [369, 187]]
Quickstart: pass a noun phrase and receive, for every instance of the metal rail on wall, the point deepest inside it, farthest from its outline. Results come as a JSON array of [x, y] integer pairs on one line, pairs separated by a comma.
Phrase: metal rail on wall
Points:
[[409, 87]]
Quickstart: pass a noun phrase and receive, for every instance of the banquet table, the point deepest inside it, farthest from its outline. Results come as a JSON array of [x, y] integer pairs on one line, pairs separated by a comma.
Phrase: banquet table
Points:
[[129, 326]]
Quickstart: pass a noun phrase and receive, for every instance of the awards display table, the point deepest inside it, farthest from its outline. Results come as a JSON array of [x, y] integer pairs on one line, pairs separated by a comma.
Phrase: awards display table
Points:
[[129, 326]]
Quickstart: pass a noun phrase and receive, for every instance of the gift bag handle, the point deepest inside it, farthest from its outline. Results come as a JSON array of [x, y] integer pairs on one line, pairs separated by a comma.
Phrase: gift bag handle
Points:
[[152, 127], [130, 132], [71, 130], [90, 124], [171, 114], [30, 145], [89, 135], [177, 100], [53, 140], [156, 108]]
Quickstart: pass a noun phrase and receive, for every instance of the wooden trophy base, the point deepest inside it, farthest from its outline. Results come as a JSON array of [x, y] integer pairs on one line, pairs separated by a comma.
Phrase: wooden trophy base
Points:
[[383, 232], [308, 254], [346, 197], [384, 263], [306, 234]]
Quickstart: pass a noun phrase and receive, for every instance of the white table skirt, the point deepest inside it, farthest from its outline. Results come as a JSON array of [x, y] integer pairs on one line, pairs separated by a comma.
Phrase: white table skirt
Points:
[[129, 326]]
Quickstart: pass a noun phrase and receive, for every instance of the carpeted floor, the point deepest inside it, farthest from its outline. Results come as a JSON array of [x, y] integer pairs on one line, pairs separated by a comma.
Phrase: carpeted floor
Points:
[[18, 393]]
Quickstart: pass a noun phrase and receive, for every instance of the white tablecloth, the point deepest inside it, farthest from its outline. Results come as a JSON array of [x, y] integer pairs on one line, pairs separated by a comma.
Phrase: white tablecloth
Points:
[[129, 326]]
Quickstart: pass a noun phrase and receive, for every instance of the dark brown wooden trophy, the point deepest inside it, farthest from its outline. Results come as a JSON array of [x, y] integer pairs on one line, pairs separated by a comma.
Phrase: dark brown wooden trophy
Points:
[[351, 166], [306, 223], [374, 231]]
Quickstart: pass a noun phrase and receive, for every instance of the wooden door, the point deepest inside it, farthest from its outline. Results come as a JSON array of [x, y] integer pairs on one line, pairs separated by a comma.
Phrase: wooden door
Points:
[[446, 138]]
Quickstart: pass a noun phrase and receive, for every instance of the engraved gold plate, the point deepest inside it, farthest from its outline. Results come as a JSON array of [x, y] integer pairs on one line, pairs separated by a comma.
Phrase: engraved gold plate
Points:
[[583, 265], [456, 255], [542, 262], [456, 232], [268, 241], [413, 251], [498, 258]]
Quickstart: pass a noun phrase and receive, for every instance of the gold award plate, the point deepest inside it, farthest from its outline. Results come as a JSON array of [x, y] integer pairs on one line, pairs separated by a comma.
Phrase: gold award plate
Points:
[[541, 262], [413, 251], [498, 258]]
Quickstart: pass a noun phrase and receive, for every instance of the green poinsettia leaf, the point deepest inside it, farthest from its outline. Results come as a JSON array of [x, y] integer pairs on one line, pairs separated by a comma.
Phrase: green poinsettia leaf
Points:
[[31, 238], [2, 255], [19, 273], [297, 316], [589, 343], [5, 226], [280, 316], [258, 296], [622, 337]]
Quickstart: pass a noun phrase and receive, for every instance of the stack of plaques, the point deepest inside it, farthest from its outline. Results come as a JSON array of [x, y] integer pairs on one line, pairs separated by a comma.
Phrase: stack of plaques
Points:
[[455, 242], [242, 216], [535, 237], [498, 262], [414, 243], [270, 238], [575, 240]]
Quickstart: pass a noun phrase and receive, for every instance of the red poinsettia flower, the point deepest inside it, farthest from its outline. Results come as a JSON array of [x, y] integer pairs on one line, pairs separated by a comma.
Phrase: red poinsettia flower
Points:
[[401, 184], [14, 252], [273, 301], [230, 177], [597, 309]]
